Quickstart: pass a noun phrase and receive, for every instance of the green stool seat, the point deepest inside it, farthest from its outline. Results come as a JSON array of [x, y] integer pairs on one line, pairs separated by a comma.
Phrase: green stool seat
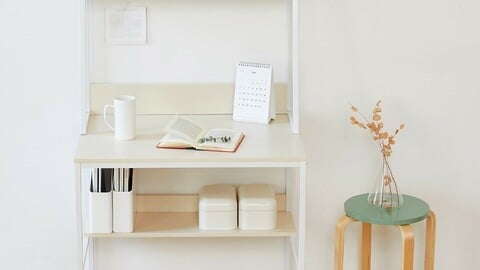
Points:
[[413, 210], [357, 209]]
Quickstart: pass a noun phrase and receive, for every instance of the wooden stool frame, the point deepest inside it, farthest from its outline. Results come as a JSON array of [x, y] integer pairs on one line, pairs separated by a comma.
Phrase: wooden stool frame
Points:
[[366, 243]]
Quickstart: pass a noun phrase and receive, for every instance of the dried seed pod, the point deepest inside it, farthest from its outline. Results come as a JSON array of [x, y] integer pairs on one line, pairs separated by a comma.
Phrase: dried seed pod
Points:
[[375, 126]]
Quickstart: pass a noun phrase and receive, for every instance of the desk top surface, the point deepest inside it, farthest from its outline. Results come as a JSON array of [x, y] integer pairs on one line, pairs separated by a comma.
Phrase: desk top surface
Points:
[[272, 144], [412, 210]]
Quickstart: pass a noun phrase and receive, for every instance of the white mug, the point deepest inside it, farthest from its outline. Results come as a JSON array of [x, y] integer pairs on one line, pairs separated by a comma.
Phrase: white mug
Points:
[[124, 110]]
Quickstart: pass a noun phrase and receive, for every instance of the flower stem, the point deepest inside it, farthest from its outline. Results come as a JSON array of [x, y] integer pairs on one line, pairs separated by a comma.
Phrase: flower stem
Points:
[[393, 179]]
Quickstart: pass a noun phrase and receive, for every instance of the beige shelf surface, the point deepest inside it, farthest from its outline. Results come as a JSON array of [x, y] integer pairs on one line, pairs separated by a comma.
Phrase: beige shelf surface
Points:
[[185, 224], [209, 98], [181, 202], [273, 143]]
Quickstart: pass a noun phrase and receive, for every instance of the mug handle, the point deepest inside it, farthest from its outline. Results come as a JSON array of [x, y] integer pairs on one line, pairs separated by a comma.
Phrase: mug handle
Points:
[[105, 111]]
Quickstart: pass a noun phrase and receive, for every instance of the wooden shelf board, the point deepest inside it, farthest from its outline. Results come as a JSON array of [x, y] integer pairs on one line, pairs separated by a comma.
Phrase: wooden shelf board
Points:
[[185, 224]]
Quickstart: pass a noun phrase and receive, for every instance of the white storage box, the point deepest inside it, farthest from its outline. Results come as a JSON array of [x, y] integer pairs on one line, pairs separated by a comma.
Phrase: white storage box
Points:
[[123, 202], [100, 201], [123, 211], [217, 207], [257, 207]]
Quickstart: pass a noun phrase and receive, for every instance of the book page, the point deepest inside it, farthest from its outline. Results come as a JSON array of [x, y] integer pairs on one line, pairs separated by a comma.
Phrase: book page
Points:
[[185, 128], [170, 140], [215, 141]]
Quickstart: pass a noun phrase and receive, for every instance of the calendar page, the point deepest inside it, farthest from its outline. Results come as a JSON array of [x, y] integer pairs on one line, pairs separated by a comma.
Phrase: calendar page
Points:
[[254, 99]]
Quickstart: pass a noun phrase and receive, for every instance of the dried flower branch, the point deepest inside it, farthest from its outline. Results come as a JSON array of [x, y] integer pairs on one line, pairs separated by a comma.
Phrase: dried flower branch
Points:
[[385, 140], [375, 126]]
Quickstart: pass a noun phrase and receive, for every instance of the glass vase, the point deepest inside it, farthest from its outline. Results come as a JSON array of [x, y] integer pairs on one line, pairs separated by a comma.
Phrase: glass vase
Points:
[[385, 193]]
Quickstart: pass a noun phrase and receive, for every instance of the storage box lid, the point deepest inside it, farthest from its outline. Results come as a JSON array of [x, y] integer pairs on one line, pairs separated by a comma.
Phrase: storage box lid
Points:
[[257, 197], [220, 197]]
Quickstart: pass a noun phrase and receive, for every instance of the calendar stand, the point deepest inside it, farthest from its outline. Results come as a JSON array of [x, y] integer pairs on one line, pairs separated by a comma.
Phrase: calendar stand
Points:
[[254, 99]]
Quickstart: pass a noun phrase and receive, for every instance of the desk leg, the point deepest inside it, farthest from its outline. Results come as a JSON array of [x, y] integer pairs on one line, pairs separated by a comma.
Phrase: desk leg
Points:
[[78, 216], [430, 241], [407, 246], [366, 249], [340, 240]]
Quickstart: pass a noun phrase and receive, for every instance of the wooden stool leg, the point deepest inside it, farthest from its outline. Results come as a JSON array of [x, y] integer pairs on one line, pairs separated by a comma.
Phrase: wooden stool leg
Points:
[[366, 249], [407, 246], [340, 240], [430, 241]]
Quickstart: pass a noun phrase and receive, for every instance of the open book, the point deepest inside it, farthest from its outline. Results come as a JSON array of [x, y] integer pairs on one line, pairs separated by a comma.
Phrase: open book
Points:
[[183, 133]]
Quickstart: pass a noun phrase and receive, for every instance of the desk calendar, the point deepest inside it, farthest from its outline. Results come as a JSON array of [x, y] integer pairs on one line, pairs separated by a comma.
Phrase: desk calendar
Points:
[[254, 99]]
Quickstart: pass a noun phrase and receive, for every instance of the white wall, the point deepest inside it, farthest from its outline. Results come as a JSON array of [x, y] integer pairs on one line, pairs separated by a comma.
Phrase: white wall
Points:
[[193, 41], [420, 57], [39, 116]]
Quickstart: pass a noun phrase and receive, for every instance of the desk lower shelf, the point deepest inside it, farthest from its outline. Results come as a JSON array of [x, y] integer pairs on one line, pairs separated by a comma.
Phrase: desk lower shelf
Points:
[[185, 224]]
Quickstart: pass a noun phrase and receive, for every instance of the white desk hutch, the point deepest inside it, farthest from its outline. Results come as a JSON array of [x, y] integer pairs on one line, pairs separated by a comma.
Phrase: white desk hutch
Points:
[[187, 67]]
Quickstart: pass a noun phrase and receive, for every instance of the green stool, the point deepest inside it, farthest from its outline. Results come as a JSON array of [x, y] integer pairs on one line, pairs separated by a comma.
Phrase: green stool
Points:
[[413, 210]]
